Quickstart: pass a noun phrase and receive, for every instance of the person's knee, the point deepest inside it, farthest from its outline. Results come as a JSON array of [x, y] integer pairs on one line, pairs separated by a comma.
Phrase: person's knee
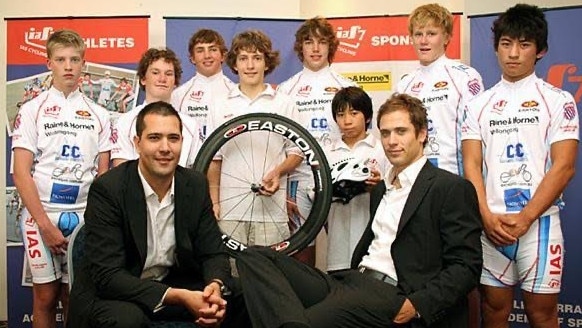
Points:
[[45, 296], [125, 315], [541, 309], [496, 304]]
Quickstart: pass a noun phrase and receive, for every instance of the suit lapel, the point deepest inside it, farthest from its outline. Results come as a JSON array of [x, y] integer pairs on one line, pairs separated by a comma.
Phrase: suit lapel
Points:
[[375, 198], [137, 211], [417, 193]]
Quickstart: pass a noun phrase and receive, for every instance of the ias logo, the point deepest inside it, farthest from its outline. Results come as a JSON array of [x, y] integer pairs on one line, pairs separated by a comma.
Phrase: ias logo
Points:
[[53, 111], [197, 95], [304, 91], [350, 37], [499, 106], [37, 38], [417, 87]]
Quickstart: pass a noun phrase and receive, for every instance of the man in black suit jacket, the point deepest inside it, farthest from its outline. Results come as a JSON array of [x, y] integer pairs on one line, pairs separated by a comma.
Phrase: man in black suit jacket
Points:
[[153, 250], [415, 264]]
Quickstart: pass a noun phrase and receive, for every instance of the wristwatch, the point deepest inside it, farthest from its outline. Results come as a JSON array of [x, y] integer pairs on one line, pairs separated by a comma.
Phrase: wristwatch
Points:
[[224, 290]]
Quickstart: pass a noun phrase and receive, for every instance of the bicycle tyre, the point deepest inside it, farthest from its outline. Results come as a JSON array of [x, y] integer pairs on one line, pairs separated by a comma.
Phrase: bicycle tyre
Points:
[[314, 156]]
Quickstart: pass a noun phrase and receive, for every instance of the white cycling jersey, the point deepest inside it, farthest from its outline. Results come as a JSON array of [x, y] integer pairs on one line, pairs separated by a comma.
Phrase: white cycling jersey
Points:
[[444, 87], [124, 132], [196, 96], [517, 123], [268, 151], [65, 135], [312, 93], [347, 222]]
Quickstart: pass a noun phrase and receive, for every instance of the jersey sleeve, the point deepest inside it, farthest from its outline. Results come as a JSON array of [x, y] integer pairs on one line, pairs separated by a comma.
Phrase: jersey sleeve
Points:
[[177, 97], [291, 112], [191, 127], [212, 122], [25, 134], [403, 83], [564, 119], [105, 134], [470, 129], [123, 145]]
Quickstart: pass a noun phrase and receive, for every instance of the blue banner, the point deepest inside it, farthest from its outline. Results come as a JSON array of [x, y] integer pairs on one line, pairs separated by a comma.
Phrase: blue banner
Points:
[[562, 67]]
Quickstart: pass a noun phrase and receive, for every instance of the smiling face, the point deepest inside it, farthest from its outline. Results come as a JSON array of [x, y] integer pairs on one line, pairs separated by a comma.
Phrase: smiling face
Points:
[[315, 53], [517, 57], [430, 42], [66, 64], [402, 144], [159, 80], [208, 58], [159, 147], [251, 68]]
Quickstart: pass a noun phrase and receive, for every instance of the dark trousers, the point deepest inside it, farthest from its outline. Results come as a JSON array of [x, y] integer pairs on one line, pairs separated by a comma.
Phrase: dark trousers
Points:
[[119, 314], [282, 292]]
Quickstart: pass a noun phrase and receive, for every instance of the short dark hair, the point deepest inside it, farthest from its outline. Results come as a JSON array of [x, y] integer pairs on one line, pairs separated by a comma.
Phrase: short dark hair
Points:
[[206, 36], [355, 98], [320, 28], [253, 40], [161, 108], [416, 111], [522, 21], [153, 54]]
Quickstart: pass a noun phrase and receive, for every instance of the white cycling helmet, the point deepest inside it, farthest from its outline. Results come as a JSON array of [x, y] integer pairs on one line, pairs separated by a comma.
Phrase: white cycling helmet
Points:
[[348, 179]]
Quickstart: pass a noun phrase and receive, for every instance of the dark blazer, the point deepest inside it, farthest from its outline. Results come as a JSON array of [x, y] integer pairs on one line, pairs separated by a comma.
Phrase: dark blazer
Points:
[[437, 250], [116, 241]]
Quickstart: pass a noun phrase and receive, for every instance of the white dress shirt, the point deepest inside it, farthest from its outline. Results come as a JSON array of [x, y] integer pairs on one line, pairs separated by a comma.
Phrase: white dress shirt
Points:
[[387, 218], [161, 239]]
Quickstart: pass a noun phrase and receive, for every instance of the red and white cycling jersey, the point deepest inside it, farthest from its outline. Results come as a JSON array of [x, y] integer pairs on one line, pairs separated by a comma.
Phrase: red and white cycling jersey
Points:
[[65, 135], [196, 97], [517, 123], [124, 132], [444, 87]]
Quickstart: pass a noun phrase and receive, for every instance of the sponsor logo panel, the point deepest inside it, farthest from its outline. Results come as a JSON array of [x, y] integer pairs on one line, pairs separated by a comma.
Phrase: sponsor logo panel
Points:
[[371, 81], [382, 38], [108, 43]]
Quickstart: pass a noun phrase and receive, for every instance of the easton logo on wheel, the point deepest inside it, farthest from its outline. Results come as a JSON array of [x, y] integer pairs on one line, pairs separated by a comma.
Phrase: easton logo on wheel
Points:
[[258, 125], [296, 139], [235, 131], [233, 244], [281, 246]]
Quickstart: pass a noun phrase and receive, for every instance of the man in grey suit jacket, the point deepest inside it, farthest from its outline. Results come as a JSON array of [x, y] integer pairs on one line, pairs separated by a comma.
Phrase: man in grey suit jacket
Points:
[[153, 250], [415, 264]]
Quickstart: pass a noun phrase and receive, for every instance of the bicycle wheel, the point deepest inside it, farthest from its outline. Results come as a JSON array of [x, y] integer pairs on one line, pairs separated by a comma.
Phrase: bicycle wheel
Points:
[[246, 146]]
